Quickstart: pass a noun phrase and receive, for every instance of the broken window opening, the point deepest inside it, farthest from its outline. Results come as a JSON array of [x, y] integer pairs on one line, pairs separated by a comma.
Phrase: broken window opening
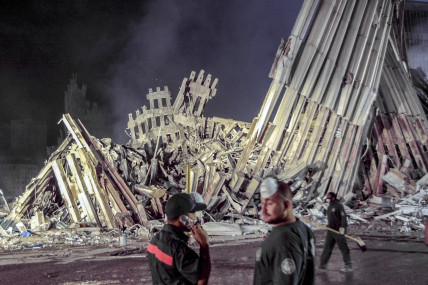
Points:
[[157, 121], [390, 163], [316, 114], [400, 156], [415, 165], [196, 105], [304, 106], [166, 120], [177, 135], [161, 142], [149, 125], [374, 152], [168, 138]]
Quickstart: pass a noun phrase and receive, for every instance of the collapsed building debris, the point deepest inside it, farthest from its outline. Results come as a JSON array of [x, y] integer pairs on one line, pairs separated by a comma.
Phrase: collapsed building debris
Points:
[[99, 183], [349, 121], [4, 207]]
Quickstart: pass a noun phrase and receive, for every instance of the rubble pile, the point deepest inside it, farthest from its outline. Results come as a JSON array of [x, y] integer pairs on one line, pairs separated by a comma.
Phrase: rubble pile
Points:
[[77, 236], [94, 182], [349, 121]]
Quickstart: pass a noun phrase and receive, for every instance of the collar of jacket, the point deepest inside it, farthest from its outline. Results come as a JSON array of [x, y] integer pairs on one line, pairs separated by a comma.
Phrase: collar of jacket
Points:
[[176, 231]]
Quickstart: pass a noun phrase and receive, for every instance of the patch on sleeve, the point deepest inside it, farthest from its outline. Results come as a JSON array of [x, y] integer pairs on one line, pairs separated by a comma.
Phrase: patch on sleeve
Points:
[[258, 254], [333, 209], [288, 266]]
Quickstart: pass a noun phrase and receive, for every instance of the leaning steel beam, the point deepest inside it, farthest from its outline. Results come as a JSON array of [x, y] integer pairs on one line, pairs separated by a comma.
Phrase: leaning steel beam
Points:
[[315, 40], [251, 189], [358, 65], [34, 188], [374, 69], [66, 192], [388, 138], [319, 128], [91, 181], [351, 145], [282, 68], [84, 140], [334, 87], [326, 57], [112, 174], [300, 145], [85, 189], [415, 146]]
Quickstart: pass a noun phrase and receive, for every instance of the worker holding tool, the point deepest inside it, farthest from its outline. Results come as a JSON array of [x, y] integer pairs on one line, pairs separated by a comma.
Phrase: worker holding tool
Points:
[[336, 217], [287, 255], [171, 260]]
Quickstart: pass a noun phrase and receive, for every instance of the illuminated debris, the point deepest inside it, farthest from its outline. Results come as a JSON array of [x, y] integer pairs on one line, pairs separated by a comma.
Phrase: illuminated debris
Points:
[[346, 119], [4, 207]]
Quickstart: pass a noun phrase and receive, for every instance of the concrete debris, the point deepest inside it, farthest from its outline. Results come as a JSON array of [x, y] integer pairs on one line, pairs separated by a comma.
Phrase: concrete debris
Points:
[[4, 207], [348, 121], [222, 229], [385, 213]]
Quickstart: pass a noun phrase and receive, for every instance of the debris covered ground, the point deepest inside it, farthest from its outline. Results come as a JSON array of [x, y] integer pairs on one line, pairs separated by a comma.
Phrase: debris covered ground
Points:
[[349, 121], [233, 262]]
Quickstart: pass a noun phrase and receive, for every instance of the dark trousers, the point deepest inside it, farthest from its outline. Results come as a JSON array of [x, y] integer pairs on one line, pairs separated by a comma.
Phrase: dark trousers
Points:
[[330, 241]]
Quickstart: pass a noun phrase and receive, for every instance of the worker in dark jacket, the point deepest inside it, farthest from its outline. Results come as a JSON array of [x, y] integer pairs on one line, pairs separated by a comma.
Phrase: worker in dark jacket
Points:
[[336, 217], [287, 255], [171, 260]]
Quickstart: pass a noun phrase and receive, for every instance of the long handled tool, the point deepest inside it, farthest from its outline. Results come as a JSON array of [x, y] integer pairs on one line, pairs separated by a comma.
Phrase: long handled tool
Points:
[[359, 241]]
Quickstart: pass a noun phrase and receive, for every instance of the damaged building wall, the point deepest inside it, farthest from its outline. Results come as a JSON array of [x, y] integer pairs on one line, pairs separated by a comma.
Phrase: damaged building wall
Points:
[[331, 98], [78, 106], [25, 142], [348, 120], [99, 183]]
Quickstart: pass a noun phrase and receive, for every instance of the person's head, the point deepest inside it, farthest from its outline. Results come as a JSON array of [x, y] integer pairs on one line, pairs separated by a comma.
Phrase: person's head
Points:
[[182, 204], [331, 197], [276, 198]]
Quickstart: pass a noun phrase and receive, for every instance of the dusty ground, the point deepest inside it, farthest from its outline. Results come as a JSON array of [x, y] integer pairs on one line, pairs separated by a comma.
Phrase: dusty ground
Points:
[[389, 260]]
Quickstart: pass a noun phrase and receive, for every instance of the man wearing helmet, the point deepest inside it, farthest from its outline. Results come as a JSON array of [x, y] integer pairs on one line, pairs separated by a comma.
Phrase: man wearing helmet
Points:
[[287, 255]]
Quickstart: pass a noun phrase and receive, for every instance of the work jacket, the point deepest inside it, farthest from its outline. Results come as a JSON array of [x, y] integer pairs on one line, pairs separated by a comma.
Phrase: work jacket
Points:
[[286, 256], [171, 260], [336, 216]]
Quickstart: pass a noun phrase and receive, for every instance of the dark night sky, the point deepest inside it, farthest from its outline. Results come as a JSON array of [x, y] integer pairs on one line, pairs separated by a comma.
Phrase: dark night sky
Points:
[[120, 49]]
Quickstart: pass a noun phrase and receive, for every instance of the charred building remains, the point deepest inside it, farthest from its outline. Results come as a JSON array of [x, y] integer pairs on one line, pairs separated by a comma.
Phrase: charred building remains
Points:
[[348, 119]]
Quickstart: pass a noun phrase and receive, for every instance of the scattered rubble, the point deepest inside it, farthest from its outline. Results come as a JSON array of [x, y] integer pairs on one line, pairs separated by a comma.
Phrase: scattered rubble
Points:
[[348, 122]]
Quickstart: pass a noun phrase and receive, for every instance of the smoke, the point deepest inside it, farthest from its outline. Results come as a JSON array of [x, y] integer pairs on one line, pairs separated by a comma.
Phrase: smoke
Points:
[[417, 56], [16, 101], [416, 40], [234, 41]]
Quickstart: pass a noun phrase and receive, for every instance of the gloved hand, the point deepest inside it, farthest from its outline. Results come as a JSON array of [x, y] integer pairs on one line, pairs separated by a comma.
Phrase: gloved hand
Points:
[[342, 231]]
